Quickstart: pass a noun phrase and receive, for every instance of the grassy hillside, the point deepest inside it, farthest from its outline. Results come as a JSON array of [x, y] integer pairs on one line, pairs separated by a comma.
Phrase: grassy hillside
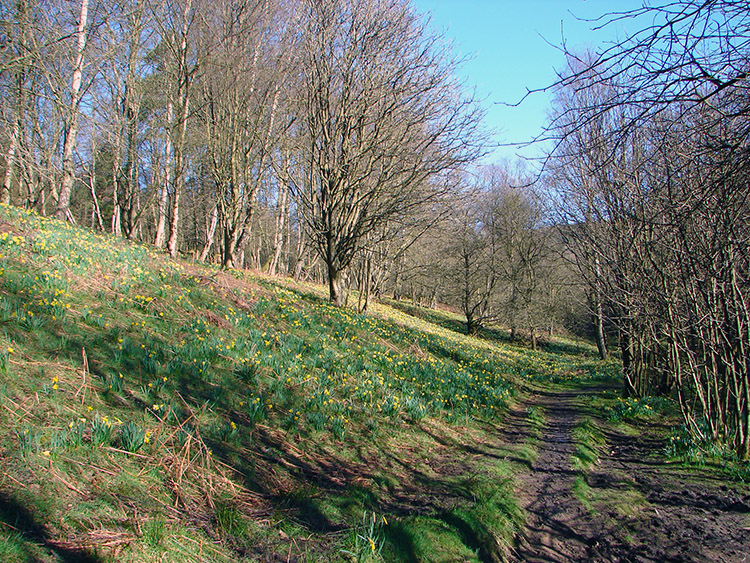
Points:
[[154, 410]]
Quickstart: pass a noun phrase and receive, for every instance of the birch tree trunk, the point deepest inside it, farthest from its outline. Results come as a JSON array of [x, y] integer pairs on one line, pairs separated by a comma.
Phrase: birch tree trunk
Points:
[[210, 233], [18, 112], [68, 171], [184, 76], [160, 237], [10, 159], [278, 238], [96, 213]]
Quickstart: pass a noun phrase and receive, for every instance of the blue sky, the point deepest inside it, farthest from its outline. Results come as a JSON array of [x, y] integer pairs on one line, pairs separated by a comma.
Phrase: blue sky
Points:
[[510, 43]]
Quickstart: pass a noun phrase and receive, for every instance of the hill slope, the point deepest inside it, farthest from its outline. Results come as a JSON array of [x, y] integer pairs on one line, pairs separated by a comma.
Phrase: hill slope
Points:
[[155, 410]]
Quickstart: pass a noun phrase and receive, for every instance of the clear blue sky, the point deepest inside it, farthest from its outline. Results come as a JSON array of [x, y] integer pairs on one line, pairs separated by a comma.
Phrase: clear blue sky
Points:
[[509, 41]]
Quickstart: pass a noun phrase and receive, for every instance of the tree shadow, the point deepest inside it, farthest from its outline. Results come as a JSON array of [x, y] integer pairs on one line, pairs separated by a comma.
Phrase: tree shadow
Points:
[[429, 315], [19, 518]]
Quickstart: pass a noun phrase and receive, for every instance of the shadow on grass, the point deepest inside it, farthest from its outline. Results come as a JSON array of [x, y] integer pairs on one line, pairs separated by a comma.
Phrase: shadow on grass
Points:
[[429, 315], [401, 542], [469, 535], [309, 514], [19, 518]]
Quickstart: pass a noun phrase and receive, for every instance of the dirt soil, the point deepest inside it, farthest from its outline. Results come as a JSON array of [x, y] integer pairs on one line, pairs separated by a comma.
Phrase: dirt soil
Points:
[[639, 508]]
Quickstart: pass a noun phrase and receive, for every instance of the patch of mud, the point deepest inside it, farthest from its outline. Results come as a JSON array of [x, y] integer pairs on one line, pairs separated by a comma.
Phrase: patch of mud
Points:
[[680, 516], [558, 527]]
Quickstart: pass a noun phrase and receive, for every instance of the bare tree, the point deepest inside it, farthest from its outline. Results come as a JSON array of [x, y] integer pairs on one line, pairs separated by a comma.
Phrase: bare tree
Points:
[[241, 91], [659, 121], [476, 272], [16, 51], [282, 214], [514, 217], [384, 118]]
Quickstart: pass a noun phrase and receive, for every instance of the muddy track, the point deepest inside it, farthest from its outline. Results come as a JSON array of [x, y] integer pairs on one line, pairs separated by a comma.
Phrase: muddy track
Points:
[[672, 515]]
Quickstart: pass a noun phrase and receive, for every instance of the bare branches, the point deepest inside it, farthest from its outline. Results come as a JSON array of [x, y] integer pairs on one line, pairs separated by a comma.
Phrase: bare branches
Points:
[[651, 163], [385, 119]]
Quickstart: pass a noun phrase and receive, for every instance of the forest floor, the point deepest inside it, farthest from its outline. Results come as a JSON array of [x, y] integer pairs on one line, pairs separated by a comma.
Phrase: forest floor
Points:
[[628, 504]]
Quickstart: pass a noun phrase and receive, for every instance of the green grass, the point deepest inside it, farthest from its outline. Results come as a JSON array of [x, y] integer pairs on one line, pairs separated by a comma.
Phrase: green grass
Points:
[[154, 407], [620, 504], [691, 451], [634, 408], [620, 500], [589, 441], [424, 538]]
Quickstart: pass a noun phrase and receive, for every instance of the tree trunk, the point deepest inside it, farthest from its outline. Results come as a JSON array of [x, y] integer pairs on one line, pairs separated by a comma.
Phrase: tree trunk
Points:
[[68, 171], [628, 364], [131, 169], [161, 224], [229, 247], [96, 211], [365, 285], [174, 224], [396, 281], [472, 326], [336, 292], [433, 298], [246, 229], [179, 140], [10, 160], [300, 253], [20, 87], [210, 233], [278, 239], [116, 222], [601, 337]]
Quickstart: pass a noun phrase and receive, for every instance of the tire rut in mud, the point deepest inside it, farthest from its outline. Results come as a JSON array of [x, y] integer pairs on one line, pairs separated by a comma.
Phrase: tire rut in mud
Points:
[[558, 527], [682, 516]]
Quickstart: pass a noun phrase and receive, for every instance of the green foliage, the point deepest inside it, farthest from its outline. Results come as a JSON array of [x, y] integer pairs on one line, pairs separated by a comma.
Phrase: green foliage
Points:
[[634, 407], [229, 520], [367, 539], [16, 549], [75, 433], [153, 531], [689, 448], [426, 538], [28, 439], [131, 437], [101, 431]]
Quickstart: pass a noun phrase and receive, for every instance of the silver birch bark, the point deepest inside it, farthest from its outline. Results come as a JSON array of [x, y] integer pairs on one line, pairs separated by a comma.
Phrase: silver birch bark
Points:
[[183, 77], [278, 237], [68, 171], [161, 224]]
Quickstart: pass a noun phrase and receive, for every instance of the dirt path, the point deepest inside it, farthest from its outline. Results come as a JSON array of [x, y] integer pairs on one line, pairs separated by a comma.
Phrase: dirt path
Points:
[[639, 509]]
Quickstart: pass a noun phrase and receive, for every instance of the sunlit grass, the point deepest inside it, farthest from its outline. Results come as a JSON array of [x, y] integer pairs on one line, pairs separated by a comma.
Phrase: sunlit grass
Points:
[[145, 389]]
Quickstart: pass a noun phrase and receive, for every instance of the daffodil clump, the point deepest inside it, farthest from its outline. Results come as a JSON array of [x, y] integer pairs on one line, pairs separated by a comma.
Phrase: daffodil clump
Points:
[[634, 407]]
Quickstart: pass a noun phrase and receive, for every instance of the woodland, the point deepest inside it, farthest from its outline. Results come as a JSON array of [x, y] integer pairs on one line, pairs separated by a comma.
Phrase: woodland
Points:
[[334, 141]]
